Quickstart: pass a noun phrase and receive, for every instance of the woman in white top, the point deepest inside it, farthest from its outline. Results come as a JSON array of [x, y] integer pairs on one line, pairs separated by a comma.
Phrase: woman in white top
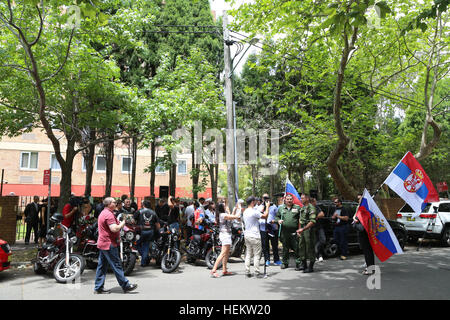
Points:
[[224, 221]]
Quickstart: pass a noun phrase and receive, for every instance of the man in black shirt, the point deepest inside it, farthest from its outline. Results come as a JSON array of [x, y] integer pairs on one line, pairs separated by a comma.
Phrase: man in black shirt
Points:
[[340, 221], [149, 222], [162, 210]]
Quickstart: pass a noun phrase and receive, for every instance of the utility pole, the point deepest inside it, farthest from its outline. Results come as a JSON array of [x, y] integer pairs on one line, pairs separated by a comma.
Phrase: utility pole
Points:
[[230, 145]]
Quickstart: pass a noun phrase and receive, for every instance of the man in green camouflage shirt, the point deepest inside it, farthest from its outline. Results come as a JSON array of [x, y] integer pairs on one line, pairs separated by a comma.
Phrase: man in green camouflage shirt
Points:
[[287, 217], [305, 232]]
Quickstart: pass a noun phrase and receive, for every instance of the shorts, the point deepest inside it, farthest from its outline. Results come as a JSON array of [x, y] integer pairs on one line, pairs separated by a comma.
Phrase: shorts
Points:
[[225, 238]]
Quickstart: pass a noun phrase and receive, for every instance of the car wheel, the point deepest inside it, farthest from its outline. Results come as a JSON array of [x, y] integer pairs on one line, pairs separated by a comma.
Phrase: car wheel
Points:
[[330, 250], [401, 238], [446, 236]]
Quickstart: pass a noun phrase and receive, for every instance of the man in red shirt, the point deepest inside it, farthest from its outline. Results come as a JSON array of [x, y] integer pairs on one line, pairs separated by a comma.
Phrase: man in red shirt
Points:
[[108, 240], [68, 212]]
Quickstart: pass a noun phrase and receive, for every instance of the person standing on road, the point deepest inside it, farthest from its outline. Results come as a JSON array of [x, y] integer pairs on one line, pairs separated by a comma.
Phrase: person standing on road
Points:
[[149, 222], [269, 232], [224, 220], [287, 217], [108, 240], [340, 220], [32, 220], [320, 231], [252, 236], [364, 242], [306, 234]]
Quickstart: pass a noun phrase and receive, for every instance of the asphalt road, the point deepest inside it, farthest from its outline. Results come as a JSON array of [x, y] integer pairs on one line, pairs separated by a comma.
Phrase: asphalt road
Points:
[[423, 274]]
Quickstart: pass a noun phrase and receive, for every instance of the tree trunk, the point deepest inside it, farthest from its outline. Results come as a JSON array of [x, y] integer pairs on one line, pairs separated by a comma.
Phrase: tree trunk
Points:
[[89, 155], [173, 179], [109, 153], [195, 174], [213, 174], [254, 179], [153, 170], [345, 189], [134, 145]]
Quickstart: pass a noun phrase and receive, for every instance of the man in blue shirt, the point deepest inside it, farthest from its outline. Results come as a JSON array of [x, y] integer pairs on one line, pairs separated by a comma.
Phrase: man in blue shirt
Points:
[[269, 232]]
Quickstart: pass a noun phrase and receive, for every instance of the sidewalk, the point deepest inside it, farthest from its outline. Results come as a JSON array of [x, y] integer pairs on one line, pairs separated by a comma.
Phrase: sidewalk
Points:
[[23, 252]]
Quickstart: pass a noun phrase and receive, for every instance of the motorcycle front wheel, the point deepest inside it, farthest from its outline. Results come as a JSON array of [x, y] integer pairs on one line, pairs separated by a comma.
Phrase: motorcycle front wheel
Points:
[[170, 262], [211, 258], [38, 268], [129, 260], [66, 273]]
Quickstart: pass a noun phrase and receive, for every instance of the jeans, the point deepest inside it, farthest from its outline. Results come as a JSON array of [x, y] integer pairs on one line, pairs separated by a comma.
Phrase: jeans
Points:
[[366, 247], [143, 245], [320, 243], [266, 242], [340, 236], [105, 258]]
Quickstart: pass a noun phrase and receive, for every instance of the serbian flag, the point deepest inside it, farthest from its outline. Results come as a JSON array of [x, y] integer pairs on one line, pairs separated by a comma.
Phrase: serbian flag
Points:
[[382, 239], [290, 189], [411, 183]]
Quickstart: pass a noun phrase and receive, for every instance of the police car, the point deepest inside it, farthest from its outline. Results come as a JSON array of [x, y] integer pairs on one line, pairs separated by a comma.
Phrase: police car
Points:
[[432, 223]]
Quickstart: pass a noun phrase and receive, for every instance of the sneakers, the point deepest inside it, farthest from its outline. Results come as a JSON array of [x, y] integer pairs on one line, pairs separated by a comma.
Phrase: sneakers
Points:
[[277, 263], [130, 288], [102, 291], [248, 274], [343, 258], [267, 263], [284, 266], [320, 259]]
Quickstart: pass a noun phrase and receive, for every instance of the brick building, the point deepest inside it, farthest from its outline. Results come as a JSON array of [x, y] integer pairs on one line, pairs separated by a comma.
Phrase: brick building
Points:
[[25, 157]]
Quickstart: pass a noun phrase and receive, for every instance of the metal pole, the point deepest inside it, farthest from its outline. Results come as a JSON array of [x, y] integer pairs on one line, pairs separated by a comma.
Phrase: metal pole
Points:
[[229, 108], [49, 199], [1, 189], [236, 168]]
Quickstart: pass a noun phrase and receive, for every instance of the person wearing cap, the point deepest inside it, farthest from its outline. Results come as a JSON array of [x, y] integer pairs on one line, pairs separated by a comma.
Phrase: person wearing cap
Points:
[[269, 232], [252, 236]]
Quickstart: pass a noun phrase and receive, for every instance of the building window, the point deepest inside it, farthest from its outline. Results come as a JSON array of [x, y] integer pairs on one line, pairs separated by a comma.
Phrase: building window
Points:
[[29, 160], [182, 167], [127, 163], [54, 164], [83, 164], [100, 164], [160, 168]]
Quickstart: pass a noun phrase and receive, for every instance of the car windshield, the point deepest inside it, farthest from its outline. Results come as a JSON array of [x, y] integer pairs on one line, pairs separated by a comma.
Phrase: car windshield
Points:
[[407, 208]]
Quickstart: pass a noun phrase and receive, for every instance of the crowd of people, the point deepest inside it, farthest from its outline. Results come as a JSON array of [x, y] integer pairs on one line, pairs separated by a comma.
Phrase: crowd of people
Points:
[[265, 224]]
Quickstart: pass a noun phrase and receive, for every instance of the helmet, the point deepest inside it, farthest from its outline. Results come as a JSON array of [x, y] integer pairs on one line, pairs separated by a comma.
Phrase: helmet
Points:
[[57, 217]]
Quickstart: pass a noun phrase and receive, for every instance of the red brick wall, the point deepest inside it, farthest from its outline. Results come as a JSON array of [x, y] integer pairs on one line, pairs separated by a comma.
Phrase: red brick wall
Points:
[[8, 218]]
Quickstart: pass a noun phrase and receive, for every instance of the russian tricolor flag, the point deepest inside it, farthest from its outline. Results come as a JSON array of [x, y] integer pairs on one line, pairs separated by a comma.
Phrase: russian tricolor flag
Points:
[[411, 183], [290, 189], [382, 239]]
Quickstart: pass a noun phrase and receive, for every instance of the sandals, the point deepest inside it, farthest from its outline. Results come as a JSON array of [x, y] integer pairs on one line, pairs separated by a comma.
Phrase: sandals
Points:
[[227, 273], [215, 275]]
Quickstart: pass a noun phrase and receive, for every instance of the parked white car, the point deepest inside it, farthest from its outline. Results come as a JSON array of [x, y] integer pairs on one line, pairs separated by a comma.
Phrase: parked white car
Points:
[[434, 220]]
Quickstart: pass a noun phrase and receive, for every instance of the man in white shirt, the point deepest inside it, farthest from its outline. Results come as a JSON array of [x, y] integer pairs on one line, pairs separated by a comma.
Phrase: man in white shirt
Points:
[[252, 235], [189, 215]]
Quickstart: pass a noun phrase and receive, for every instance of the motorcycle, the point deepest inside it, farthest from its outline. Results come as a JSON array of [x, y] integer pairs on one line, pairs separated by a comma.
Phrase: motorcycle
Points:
[[56, 254], [237, 242], [127, 247], [164, 249], [205, 246]]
